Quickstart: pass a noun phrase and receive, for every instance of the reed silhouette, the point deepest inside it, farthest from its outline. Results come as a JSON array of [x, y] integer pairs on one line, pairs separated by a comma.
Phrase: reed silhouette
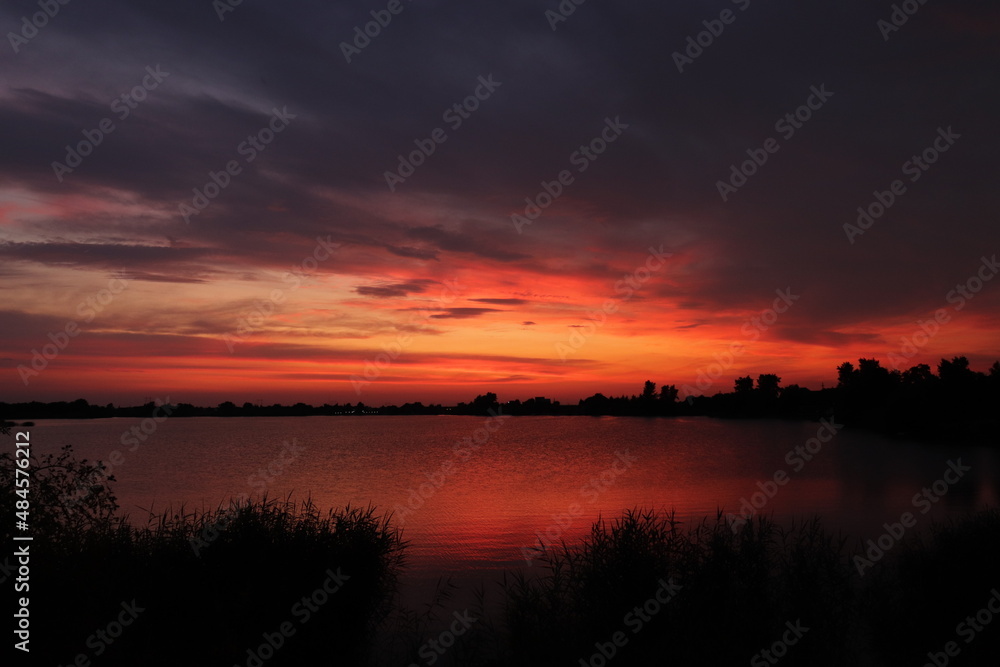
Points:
[[214, 586]]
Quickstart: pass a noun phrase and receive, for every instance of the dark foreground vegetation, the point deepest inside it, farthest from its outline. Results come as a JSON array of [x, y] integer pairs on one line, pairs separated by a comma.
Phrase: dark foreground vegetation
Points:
[[273, 582], [955, 403], [197, 587]]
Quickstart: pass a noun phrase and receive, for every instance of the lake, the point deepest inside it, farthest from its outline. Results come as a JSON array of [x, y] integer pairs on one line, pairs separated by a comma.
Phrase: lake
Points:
[[473, 494]]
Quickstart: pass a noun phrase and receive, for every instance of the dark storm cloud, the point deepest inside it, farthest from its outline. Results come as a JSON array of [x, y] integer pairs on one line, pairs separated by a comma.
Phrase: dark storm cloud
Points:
[[784, 227]]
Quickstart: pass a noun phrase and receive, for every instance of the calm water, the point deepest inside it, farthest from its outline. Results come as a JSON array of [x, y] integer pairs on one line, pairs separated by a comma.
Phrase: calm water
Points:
[[493, 500]]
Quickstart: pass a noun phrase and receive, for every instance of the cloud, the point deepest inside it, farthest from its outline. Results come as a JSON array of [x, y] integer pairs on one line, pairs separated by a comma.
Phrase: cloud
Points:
[[162, 278], [324, 176], [465, 243], [102, 255], [393, 290], [416, 253], [463, 313], [502, 302], [835, 339]]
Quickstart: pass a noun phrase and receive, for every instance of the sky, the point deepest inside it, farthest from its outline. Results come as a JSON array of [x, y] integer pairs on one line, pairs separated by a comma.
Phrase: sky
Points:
[[429, 200]]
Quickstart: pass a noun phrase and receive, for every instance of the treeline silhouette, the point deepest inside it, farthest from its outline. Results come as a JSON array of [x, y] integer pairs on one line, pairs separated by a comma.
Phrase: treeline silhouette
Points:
[[956, 401]]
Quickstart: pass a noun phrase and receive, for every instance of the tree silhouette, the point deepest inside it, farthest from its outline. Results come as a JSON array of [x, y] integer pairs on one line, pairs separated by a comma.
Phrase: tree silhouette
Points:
[[957, 402], [648, 391], [956, 373], [919, 375], [845, 375], [485, 404], [769, 386]]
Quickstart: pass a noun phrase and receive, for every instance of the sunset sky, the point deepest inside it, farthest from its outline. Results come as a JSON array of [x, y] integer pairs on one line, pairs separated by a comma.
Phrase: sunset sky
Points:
[[311, 262]]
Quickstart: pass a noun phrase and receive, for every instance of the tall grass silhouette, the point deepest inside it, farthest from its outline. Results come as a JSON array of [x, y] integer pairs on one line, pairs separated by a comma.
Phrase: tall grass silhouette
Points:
[[204, 606], [214, 584]]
